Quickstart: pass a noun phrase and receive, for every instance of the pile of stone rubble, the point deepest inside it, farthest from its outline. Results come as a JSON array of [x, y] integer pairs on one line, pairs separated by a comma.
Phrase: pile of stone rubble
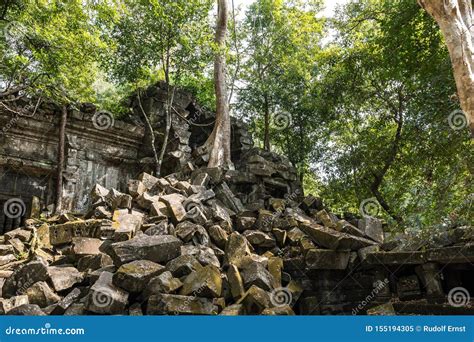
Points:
[[205, 241], [172, 246]]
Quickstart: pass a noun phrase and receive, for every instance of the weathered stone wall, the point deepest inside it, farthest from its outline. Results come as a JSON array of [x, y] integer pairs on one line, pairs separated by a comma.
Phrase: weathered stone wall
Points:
[[28, 154]]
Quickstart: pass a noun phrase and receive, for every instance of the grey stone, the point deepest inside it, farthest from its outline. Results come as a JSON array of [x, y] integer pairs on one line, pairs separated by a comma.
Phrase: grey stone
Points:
[[260, 239], [236, 248], [323, 259], [163, 283], [345, 227], [26, 310], [183, 265], [255, 300], [245, 223], [93, 262], [204, 282], [169, 304], [82, 246], [174, 202], [66, 302], [235, 282], [134, 276], [41, 294], [10, 303], [105, 297], [218, 235], [372, 227], [225, 195], [257, 274], [156, 248], [24, 277], [205, 255], [64, 278]]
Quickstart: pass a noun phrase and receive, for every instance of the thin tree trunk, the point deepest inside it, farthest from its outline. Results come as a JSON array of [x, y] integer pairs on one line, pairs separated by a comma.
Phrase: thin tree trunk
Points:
[[61, 157], [378, 177], [220, 155], [169, 105], [454, 18], [266, 128], [152, 133]]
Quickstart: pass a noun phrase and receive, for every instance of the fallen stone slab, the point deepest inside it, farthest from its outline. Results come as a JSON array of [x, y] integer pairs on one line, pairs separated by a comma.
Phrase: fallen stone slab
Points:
[[66, 302], [279, 311], [174, 202], [183, 265], [233, 310], [24, 277], [6, 250], [163, 283], [156, 248], [323, 259], [332, 239], [205, 255], [236, 283], [6, 259], [256, 274], [345, 227], [63, 233], [382, 310], [395, 258], [205, 282], [236, 248], [218, 235], [126, 224], [10, 303], [134, 276], [64, 278], [260, 239], [82, 246], [22, 234], [41, 294], [26, 310], [105, 297], [169, 304], [255, 300], [93, 262], [372, 227], [326, 219]]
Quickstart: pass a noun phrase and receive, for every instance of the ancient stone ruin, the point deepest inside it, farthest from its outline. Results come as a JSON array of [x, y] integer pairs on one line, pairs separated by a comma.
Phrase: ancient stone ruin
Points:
[[198, 241]]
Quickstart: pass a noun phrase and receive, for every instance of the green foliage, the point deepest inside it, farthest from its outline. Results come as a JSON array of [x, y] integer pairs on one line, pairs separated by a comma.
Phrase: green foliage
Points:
[[52, 47], [389, 59], [169, 39], [364, 115]]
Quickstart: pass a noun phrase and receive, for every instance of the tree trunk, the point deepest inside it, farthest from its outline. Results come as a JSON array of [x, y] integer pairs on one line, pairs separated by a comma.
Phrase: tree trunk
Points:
[[152, 137], [454, 18], [219, 140], [60, 166], [266, 129], [379, 176]]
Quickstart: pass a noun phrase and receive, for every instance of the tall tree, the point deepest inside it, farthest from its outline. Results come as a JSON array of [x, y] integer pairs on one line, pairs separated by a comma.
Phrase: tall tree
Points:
[[165, 39], [455, 20], [219, 140]]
